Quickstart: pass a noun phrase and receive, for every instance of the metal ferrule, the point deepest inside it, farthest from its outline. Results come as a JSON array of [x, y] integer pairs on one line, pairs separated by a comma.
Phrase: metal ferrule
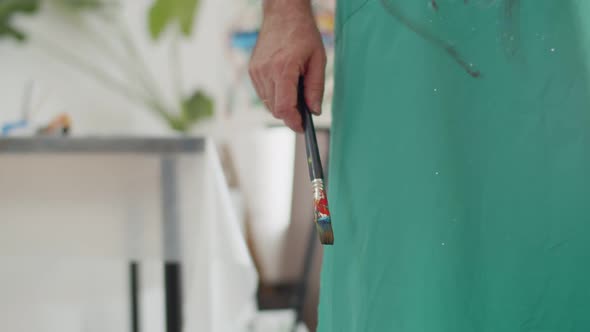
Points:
[[318, 188]]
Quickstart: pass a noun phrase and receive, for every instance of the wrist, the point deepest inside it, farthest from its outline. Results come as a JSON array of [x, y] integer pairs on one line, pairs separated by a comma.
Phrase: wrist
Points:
[[286, 7]]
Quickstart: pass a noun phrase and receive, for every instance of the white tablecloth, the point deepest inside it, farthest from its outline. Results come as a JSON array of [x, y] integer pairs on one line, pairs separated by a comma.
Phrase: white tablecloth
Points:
[[70, 223]]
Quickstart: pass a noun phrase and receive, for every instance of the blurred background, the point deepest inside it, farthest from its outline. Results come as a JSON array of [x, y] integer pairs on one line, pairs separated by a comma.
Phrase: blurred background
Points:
[[143, 187]]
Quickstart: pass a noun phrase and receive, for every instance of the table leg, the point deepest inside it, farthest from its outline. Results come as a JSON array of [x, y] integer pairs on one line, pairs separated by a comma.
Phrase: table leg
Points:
[[172, 245], [134, 296], [173, 295]]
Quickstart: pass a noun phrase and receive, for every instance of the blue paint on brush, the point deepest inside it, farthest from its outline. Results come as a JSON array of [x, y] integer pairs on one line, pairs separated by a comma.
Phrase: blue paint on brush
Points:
[[324, 229]]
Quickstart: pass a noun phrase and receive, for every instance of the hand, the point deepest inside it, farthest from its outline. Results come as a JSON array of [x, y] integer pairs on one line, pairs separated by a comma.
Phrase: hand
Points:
[[289, 46]]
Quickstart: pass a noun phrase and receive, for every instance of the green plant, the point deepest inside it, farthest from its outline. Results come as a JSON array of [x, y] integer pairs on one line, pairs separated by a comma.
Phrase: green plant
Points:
[[168, 12], [178, 16], [8, 9]]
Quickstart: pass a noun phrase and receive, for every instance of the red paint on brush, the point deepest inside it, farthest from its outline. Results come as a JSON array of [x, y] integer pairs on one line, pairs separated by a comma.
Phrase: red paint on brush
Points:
[[321, 206]]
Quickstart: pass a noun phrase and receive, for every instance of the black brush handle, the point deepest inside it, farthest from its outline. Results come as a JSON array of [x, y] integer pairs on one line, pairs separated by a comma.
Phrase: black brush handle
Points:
[[311, 144]]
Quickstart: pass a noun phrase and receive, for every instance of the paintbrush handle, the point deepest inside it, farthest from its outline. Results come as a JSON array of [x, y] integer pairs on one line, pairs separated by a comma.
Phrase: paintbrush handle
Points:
[[311, 145]]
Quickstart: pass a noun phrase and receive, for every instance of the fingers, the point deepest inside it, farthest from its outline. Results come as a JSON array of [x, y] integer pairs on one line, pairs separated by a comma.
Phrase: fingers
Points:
[[257, 83], [262, 76], [276, 80], [314, 81], [285, 103], [276, 84], [268, 87]]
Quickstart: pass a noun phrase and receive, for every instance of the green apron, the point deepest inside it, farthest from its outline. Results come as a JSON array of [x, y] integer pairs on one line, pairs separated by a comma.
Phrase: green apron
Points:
[[460, 168]]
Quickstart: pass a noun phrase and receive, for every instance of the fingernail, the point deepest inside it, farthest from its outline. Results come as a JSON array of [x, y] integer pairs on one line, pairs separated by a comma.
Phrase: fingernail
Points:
[[316, 108]]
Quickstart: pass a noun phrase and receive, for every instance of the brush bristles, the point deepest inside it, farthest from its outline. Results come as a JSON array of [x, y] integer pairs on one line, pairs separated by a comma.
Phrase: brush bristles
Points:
[[324, 228], [323, 220]]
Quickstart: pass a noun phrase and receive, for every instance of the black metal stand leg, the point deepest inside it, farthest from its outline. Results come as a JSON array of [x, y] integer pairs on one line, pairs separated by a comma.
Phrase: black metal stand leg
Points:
[[134, 296], [173, 293]]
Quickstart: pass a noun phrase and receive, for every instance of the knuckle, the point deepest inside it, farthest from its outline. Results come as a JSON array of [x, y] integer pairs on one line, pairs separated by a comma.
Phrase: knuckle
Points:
[[287, 65], [278, 65], [291, 62], [296, 63], [266, 68]]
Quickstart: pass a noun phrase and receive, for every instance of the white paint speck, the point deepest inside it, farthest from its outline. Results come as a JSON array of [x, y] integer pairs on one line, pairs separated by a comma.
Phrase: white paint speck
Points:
[[435, 89], [436, 173], [552, 49], [442, 244]]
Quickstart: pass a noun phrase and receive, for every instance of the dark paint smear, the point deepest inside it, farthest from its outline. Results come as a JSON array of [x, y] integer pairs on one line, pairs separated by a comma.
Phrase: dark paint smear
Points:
[[509, 8], [420, 31], [434, 4]]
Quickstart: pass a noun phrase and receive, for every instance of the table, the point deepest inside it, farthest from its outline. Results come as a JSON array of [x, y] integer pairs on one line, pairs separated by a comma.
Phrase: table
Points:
[[132, 199]]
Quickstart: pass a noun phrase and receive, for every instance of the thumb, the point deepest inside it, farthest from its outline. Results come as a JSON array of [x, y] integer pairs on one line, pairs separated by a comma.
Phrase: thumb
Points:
[[314, 81]]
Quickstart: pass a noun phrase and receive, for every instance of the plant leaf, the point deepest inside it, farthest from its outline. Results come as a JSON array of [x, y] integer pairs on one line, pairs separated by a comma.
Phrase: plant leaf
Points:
[[178, 124], [8, 8], [197, 107], [167, 12], [160, 15], [186, 15], [8, 31]]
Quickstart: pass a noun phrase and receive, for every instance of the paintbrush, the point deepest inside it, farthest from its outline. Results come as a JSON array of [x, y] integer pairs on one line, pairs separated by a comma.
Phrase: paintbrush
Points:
[[322, 218]]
